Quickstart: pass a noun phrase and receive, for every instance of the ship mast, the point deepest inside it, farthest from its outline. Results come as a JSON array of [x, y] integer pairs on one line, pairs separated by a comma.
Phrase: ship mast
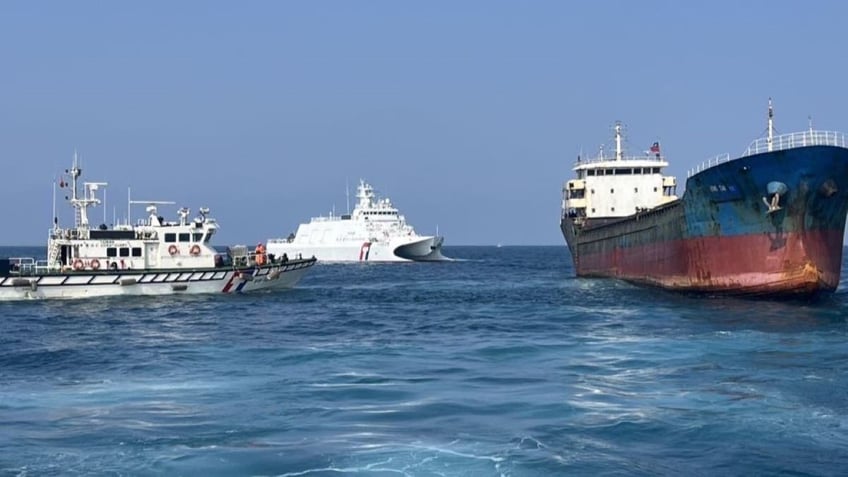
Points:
[[770, 126], [88, 197], [618, 152]]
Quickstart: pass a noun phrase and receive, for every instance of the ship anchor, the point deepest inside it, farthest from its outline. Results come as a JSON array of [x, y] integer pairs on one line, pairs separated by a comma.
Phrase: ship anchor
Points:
[[775, 189], [774, 206]]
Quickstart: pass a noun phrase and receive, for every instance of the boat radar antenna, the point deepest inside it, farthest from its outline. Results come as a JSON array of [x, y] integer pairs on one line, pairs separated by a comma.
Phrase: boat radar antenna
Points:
[[88, 196], [770, 126]]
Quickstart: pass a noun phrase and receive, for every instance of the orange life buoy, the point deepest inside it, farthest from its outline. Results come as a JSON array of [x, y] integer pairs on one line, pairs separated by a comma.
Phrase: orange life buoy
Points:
[[95, 264], [173, 250], [195, 250], [78, 264]]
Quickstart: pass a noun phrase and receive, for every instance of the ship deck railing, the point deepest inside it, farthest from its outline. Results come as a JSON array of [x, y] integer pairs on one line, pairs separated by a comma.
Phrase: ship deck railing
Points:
[[780, 143], [582, 161], [797, 139], [26, 266], [713, 161]]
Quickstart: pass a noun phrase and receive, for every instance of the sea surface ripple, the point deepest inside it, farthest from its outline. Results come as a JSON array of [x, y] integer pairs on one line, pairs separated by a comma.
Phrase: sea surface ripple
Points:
[[501, 363]]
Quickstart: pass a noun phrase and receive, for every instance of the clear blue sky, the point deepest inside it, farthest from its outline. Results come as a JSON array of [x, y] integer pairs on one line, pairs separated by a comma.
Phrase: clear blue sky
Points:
[[468, 114]]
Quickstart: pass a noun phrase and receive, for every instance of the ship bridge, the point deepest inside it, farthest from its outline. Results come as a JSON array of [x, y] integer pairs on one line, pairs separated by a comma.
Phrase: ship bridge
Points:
[[618, 186]]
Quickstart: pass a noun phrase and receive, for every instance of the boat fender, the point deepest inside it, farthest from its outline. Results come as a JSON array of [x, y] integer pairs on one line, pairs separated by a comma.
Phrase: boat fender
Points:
[[78, 264], [94, 264], [114, 265], [195, 250], [173, 250]]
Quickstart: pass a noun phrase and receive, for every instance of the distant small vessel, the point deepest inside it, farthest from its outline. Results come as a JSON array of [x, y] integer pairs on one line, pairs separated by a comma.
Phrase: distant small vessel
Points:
[[770, 222], [375, 232], [153, 257]]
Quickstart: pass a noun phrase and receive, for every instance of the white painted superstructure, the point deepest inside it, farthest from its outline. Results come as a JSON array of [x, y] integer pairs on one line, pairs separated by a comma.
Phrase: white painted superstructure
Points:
[[375, 231], [151, 257], [618, 186]]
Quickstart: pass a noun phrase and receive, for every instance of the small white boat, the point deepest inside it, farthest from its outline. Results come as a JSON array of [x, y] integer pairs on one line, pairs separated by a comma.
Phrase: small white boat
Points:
[[153, 257], [375, 232]]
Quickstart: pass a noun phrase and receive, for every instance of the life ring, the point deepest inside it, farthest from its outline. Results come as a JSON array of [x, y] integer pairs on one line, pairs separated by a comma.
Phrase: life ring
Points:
[[195, 250], [95, 264], [78, 264], [173, 250]]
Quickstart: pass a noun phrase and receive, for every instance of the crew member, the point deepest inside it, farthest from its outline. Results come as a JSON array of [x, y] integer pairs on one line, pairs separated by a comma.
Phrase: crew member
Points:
[[260, 254]]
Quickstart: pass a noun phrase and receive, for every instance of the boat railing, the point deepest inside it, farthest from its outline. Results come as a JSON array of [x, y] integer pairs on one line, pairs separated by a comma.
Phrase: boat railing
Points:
[[797, 139], [779, 143], [611, 158], [713, 161], [26, 266]]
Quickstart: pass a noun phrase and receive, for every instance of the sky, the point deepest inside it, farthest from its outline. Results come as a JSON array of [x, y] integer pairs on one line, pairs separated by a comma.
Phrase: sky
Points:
[[469, 114]]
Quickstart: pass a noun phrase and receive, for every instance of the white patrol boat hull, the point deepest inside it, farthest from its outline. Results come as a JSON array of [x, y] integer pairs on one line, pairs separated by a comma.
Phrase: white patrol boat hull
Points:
[[413, 249], [86, 283], [374, 232]]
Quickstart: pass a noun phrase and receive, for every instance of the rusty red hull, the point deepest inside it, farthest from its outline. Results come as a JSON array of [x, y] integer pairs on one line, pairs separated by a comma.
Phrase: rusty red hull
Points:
[[745, 265]]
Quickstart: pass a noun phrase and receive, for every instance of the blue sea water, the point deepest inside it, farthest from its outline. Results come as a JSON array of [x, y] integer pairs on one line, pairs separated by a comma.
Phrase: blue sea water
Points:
[[499, 364]]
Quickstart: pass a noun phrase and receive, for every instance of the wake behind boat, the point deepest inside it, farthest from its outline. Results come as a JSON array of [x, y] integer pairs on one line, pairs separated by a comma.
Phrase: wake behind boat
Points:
[[375, 232], [153, 257]]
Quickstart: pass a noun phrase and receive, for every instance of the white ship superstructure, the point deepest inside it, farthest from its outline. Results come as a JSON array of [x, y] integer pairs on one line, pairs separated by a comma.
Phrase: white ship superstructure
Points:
[[375, 231], [152, 257], [608, 188]]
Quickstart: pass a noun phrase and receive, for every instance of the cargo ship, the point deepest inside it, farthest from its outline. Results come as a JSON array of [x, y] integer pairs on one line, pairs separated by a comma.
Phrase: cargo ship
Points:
[[769, 222]]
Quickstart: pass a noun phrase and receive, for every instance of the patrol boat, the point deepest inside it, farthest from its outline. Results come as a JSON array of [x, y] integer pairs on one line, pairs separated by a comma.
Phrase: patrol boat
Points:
[[152, 257], [375, 231]]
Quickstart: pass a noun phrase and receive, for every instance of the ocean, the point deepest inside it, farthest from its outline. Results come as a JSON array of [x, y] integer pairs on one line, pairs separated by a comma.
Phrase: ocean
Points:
[[501, 363]]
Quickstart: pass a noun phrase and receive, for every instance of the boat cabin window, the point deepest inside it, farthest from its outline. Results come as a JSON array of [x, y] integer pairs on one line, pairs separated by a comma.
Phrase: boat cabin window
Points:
[[196, 237], [185, 237], [591, 172], [111, 252], [170, 237], [136, 251], [209, 235], [124, 251]]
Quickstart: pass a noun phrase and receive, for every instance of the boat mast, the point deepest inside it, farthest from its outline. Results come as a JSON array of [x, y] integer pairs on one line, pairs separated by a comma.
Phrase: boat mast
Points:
[[618, 152], [770, 126], [79, 216]]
